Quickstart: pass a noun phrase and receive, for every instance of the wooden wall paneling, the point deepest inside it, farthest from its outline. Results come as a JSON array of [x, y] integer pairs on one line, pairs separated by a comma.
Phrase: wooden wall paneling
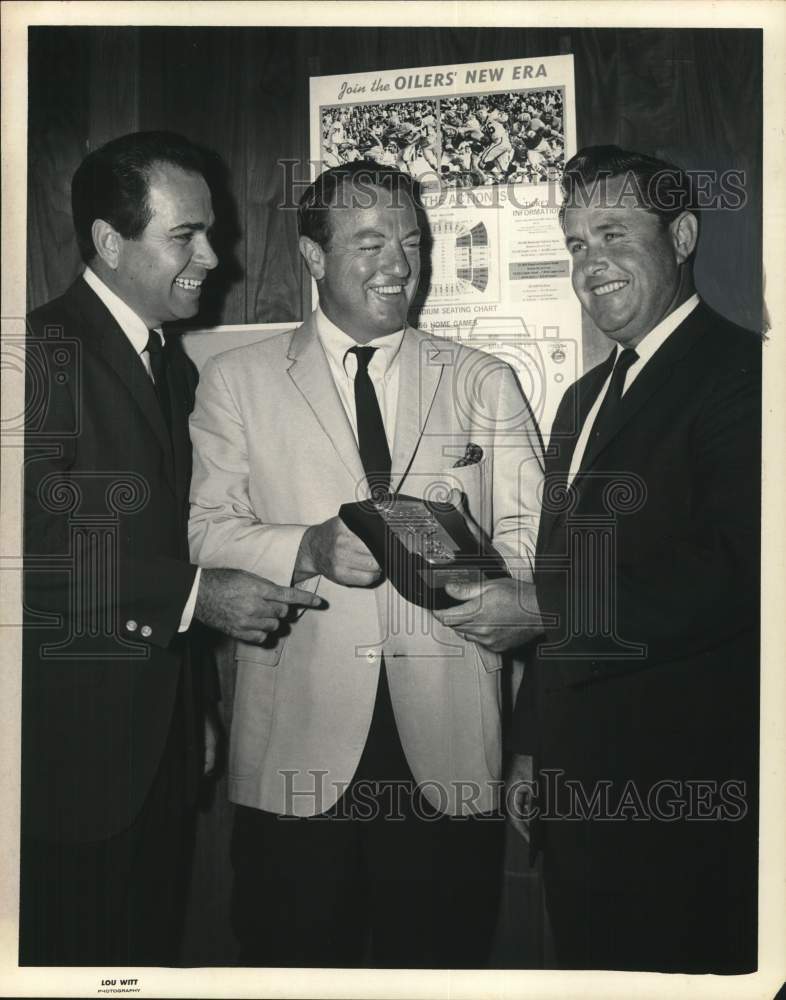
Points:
[[192, 82], [58, 130], [727, 122], [674, 103], [114, 83], [276, 109]]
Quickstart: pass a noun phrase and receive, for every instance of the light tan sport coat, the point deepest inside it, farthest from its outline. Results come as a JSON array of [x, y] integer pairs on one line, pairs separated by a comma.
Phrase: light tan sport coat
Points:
[[274, 452]]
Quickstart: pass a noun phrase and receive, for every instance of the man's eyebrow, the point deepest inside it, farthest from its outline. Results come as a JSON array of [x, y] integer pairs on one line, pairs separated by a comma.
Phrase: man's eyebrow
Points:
[[600, 227], [611, 224], [362, 234], [194, 227]]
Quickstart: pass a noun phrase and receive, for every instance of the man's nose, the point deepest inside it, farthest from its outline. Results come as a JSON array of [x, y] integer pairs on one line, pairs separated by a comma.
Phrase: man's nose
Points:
[[596, 260], [395, 261], [204, 255]]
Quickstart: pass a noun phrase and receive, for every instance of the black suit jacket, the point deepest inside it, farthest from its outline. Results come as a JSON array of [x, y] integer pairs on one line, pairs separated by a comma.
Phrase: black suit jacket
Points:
[[648, 566], [107, 573]]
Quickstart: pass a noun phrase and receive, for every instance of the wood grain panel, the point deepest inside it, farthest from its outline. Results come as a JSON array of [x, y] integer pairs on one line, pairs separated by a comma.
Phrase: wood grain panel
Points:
[[277, 121], [58, 130], [192, 81], [114, 83]]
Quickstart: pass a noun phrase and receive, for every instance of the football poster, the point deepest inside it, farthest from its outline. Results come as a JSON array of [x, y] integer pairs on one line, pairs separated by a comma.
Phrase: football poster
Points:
[[488, 144]]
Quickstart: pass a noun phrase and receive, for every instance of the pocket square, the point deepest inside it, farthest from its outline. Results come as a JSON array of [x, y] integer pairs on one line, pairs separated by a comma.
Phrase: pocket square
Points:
[[472, 455]]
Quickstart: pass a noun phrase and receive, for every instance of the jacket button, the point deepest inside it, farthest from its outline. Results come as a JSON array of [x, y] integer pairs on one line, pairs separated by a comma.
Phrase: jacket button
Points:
[[146, 631], [131, 626]]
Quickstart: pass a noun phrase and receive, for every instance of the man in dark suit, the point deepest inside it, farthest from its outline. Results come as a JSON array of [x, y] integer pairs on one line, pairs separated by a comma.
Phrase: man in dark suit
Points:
[[114, 695], [640, 707]]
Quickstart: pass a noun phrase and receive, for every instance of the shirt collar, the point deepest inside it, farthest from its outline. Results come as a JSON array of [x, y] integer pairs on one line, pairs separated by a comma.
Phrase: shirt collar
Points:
[[337, 345], [132, 326], [659, 334]]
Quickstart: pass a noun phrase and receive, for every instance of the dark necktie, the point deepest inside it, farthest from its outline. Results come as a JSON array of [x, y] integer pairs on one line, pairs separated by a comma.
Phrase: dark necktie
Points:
[[609, 408], [157, 355], [372, 440]]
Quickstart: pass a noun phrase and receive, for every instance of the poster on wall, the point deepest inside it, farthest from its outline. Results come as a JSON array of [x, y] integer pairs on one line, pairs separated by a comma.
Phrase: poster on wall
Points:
[[488, 143]]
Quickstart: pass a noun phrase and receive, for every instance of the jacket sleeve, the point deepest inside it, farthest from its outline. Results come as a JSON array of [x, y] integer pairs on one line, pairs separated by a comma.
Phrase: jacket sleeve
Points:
[[224, 530], [704, 587], [74, 571]]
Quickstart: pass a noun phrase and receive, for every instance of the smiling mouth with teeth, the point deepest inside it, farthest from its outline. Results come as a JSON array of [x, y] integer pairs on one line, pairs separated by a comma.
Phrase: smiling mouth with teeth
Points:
[[388, 289], [610, 286], [189, 283]]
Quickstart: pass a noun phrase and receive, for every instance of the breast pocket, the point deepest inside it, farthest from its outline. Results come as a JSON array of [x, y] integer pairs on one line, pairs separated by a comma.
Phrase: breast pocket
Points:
[[474, 481]]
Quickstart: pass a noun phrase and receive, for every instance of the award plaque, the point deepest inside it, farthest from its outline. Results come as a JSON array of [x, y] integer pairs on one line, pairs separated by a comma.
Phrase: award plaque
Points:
[[421, 545]]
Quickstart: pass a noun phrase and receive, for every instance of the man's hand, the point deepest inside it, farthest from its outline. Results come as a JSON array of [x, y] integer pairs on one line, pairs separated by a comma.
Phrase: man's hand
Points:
[[332, 550], [246, 606], [520, 792], [497, 614]]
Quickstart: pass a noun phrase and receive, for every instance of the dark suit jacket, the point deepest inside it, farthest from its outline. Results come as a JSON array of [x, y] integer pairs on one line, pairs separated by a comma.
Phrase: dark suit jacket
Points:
[[107, 572], [649, 567]]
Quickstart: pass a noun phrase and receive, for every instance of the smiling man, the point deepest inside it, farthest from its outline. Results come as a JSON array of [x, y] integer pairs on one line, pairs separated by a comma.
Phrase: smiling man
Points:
[[365, 745], [114, 692], [638, 714]]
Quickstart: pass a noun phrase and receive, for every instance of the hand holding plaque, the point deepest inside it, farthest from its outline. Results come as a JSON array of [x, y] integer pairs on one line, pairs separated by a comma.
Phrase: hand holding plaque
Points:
[[422, 546]]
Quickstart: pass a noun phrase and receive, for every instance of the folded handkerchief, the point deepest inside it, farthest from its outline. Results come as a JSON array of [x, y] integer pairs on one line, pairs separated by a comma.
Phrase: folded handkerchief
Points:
[[472, 455]]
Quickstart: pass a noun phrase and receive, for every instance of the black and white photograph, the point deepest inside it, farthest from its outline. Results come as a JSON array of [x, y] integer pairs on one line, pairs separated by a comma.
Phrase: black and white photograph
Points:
[[510, 138], [392, 472], [401, 134]]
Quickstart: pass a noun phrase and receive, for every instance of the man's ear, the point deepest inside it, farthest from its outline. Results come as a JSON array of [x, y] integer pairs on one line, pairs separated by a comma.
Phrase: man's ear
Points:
[[684, 233], [314, 256], [107, 242]]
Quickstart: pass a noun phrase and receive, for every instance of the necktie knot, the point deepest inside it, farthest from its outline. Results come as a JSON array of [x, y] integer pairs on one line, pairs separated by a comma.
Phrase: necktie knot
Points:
[[364, 356], [608, 413], [624, 361], [626, 358], [154, 345]]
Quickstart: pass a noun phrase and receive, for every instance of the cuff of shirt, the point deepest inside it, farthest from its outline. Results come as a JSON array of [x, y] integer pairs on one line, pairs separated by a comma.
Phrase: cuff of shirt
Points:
[[188, 610]]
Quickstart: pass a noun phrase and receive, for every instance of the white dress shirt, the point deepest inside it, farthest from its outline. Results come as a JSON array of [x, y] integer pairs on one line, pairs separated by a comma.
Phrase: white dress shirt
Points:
[[132, 326], [137, 332], [383, 370], [655, 339]]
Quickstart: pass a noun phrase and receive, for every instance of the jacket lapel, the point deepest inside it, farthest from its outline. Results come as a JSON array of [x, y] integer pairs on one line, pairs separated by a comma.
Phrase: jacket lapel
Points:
[[311, 374], [571, 423], [420, 368], [654, 374], [102, 333], [571, 417]]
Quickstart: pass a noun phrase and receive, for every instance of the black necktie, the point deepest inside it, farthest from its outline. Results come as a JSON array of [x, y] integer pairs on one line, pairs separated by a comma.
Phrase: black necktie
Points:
[[372, 440], [157, 357], [611, 401]]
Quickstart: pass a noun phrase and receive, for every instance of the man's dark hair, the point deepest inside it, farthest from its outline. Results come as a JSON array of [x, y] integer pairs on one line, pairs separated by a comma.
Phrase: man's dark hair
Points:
[[658, 186], [349, 186], [113, 183]]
